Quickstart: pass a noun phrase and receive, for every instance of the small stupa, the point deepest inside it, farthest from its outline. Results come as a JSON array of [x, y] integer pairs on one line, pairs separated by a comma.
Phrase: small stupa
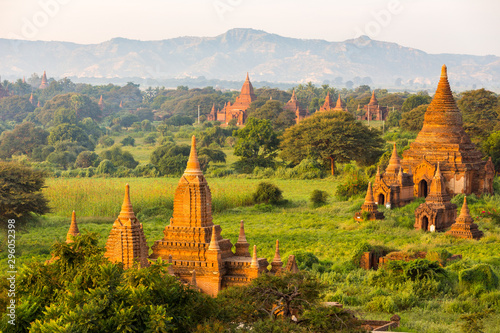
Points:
[[369, 206], [464, 226], [73, 229]]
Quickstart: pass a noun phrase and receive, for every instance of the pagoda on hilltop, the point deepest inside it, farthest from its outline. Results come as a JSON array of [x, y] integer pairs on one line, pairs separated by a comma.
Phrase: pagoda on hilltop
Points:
[[437, 212], [464, 226], [394, 187], [444, 140], [373, 111], [126, 242], [370, 207], [195, 243], [44, 83], [293, 106], [238, 109]]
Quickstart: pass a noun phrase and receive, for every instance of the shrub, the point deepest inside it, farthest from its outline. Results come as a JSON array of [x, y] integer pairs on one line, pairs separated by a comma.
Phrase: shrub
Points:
[[128, 141], [319, 197], [267, 193], [106, 141], [87, 159], [353, 184], [150, 139], [106, 167], [478, 279]]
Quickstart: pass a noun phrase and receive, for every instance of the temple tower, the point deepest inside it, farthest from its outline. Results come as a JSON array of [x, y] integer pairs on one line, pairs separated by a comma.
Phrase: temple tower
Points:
[[238, 109], [100, 103], [373, 111], [464, 226], [444, 140], [437, 212], [369, 206], [44, 83], [73, 229], [328, 105], [126, 242]]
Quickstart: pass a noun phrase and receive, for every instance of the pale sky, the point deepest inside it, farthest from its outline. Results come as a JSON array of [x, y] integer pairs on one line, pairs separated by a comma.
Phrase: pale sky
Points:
[[433, 26]]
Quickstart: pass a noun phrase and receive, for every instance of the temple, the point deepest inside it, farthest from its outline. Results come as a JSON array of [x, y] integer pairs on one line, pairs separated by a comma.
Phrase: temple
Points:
[[294, 106], [238, 109], [443, 139], [464, 226], [44, 83], [328, 105], [437, 212], [394, 187], [370, 207], [373, 111], [126, 243], [195, 243], [73, 229], [100, 103]]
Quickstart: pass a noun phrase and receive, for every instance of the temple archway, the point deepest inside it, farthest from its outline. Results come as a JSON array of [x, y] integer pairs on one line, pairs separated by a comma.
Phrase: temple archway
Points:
[[381, 199], [422, 189], [425, 223]]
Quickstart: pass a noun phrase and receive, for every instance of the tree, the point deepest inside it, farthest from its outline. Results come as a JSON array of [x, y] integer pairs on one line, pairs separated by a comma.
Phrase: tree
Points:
[[413, 120], [332, 137], [257, 144], [415, 100], [87, 159], [481, 113], [20, 194], [207, 155], [71, 133], [119, 157], [491, 147], [24, 138], [170, 159], [273, 111], [15, 108], [128, 141], [62, 158], [179, 120], [64, 116]]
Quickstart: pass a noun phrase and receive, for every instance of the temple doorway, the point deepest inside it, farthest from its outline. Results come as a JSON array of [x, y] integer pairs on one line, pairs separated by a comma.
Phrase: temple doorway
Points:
[[381, 199], [425, 223], [422, 189]]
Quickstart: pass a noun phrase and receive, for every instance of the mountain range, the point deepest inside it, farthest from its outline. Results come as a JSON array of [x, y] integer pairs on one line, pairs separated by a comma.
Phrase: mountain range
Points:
[[267, 57]]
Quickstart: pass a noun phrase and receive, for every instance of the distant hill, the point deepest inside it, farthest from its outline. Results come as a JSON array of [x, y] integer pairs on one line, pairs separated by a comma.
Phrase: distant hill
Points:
[[267, 57]]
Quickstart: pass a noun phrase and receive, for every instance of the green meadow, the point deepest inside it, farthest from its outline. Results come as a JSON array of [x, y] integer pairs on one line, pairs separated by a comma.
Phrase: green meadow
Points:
[[329, 232]]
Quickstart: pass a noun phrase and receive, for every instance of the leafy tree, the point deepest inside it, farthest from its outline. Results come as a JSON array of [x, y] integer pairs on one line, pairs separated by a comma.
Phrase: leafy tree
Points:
[[179, 120], [170, 159], [414, 101], [128, 141], [106, 167], [128, 119], [481, 113], [119, 157], [207, 155], [216, 135], [267, 193], [20, 193], [82, 105], [106, 141], [15, 108], [24, 138], [413, 120], [257, 144], [62, 158], [491, 147], [64, 116], [332, 137], [273, 110], [150, 139], [87, 159], [69, 132]]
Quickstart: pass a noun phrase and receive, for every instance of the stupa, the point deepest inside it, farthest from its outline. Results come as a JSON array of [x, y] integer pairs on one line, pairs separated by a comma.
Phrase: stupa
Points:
[[44, 83], [373, 111], [464, 226], [195, 243], [394, 187], [328, 105], [73, 229], [370, 207], [443, 139], [294, 106], [126, 242], [238, 109], [437, 212]]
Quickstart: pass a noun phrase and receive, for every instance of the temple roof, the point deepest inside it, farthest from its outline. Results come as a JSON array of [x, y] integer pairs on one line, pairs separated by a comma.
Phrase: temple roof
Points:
[[193, 165], [394, 162], [437, 192], [247, 88], [373, 100], [127, 211]]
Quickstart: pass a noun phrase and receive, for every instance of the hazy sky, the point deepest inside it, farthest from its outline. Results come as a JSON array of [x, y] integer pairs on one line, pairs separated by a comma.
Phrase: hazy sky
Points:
[[434, 26]]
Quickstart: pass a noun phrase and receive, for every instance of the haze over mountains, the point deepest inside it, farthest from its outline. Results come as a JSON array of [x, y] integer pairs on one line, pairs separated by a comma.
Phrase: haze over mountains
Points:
[[267, 57]]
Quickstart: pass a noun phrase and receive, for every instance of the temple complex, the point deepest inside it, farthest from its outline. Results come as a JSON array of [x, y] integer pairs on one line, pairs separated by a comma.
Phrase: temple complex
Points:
[[195, 243], [73, 229], [294, 106], [373, 111], [394, 187], [464, 226], [44, 83], [443, 139], [126, 242], [370, 207], [437, 212], [238, 109], [328, 105]]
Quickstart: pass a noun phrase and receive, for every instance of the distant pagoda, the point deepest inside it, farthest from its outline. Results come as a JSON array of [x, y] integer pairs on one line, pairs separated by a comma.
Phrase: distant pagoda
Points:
[[73, 229], [44, 83]]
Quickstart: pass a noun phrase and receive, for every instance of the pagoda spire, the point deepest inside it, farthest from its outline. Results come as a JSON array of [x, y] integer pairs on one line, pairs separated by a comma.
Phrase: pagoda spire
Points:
[[373, 99], [437, 192], [31, 98], [277, 264], [73, 229], [127, 211], [214, 244], [294, 98], [464, 216], [394, 162], [242, 246], [369, 206], [255, 263], [193, 165], [339, 103]]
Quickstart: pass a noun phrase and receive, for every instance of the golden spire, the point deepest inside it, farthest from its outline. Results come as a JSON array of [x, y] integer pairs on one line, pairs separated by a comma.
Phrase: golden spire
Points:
[[373, 100], [464, 216], [394, 162], [193, 165], [255, 263], [339, 103], [248, 78], [277, 257], [73, 229], [214, 244], [241, 246], [293, 96], [127, 212], [369, 195], [242, 238]]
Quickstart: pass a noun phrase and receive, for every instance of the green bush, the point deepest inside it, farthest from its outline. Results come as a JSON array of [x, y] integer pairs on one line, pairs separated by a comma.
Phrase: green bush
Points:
[[353, 183], [319, 197], [106, 167], [106, 141], [267, 193], [128, 141], [478, 279]]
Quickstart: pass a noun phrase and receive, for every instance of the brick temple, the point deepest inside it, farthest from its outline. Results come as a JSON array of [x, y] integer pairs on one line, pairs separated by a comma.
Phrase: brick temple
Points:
[[370, 207], [444, 140], [195, 243], [373, 111], [45, 83], [464, 226], [294, 106]]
